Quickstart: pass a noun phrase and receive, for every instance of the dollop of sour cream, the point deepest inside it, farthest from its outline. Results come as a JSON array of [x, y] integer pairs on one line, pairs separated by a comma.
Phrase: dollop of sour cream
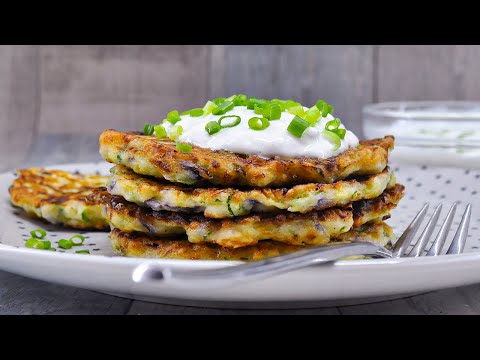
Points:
[[272, 141]]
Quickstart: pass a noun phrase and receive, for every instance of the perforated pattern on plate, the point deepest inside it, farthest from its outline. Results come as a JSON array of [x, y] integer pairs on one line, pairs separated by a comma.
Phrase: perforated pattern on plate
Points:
[[423, 184]]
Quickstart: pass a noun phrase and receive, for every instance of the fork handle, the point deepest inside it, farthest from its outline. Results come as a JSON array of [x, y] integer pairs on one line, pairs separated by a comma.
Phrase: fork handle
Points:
[[254, 270]]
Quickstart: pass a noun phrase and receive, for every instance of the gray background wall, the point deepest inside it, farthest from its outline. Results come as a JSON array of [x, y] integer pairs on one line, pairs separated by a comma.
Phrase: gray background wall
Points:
[[81, 90]]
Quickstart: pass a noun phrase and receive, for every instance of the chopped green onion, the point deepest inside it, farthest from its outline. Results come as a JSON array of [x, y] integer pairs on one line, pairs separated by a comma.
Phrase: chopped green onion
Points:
[[297, 126], [160, 131], [38, 233], [274, 111], [34, 243], [173, 117], [193, 112], [212, 127], [332, 124], [46, 244], [324, 107], [333, 138], [281, 103], [312, 115], [148, 129], [256, 123], [235, 120], [82, 252], [196, 112], [240, 100], [254, 101], [223, 108], [65, 244], [291, 103], [258, 110], [209, 107], [297, 110], [76, 242], [231, 98], [175, 132], [341, 133], [52, 249], [218, 100], [186, 148]]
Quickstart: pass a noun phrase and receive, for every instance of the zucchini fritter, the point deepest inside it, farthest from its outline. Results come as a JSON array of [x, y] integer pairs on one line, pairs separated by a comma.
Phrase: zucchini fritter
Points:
[[229, 202], [147, 155], [142, 245], [313, 228], [60, 197]]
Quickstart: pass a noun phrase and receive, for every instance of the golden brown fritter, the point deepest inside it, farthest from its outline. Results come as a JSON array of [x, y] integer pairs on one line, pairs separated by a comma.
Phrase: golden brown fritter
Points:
[[60, 197], [229, 202], [147, 246], [147, 155], [313, 228], [367, 210]]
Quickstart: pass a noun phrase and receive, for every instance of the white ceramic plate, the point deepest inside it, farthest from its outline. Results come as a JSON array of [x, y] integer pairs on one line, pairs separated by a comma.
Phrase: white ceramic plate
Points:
[[341, 283]]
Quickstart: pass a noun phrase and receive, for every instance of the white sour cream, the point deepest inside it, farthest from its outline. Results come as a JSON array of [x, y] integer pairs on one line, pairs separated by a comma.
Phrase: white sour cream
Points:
[[272, 141]]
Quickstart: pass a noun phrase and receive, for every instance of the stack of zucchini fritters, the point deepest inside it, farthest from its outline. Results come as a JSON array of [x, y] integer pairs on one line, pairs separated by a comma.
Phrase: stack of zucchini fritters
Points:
[[214, 204]]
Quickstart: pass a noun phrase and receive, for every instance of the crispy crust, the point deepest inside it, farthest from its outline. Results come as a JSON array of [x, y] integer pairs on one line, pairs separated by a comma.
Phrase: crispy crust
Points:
[[313, 228], [147, 246], [60, 197], [147, 155], [367, 210], [229, 202]]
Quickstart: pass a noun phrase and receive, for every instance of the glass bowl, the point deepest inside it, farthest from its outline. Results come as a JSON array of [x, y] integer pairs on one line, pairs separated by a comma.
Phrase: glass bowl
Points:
[[434, 131]]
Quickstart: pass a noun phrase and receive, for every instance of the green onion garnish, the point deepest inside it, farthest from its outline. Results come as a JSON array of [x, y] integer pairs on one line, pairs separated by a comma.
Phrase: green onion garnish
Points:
[[256, 123], [281, 103], [175, 132], [212, 127], [82, 252], [38, 233], [258, 110], [160, 131], [341, 133], [46, 244], [297, 126], [333, 138], [173, 117], [33, 243], [324, 107], [229, 121], [297, 110], [77, 240], [196, 112], [218, 100], [254, 101], [332, 124], [148, 129], [209, 107], [193, 113], [186, 148], [65, 244], [240, 100], [312, 115], [291, 103], [275, 111], [223, 108]]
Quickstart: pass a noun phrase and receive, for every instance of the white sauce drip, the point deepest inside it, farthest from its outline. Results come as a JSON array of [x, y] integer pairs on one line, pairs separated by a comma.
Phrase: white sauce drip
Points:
[[272, 141]]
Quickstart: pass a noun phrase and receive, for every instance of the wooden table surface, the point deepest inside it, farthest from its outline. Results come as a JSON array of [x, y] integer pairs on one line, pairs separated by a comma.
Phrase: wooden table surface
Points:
[[20, 295]]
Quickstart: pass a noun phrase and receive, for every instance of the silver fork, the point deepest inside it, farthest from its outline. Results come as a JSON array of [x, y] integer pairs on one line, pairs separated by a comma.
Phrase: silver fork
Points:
[[254, 270]]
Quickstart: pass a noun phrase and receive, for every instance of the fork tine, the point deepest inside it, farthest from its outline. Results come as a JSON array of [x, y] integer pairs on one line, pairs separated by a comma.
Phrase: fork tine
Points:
[[409, 233], [437, 245], [427, 233], [458, 242]]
